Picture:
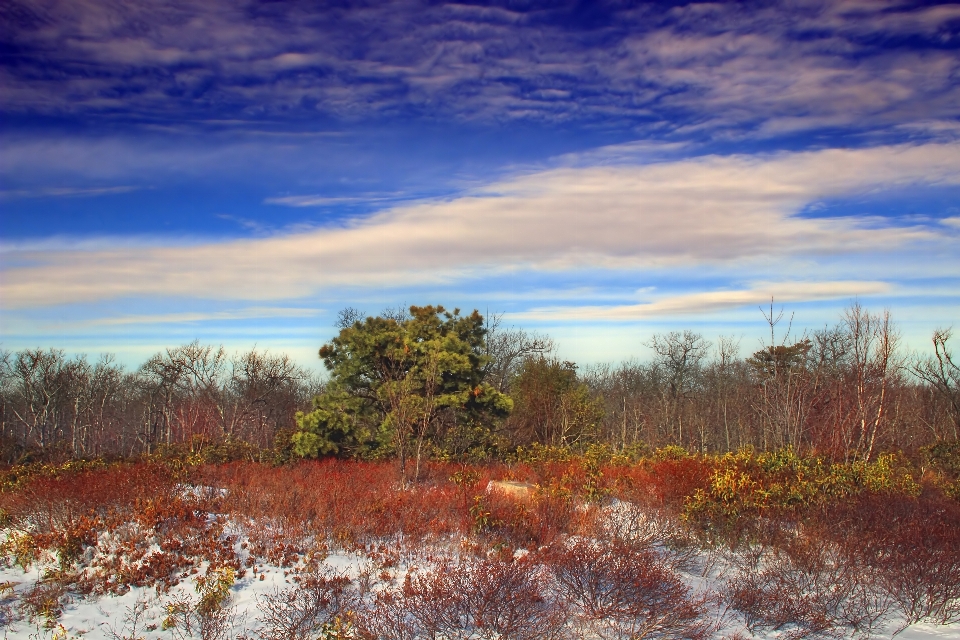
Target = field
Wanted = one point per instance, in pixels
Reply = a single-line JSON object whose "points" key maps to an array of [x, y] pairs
{"points": [[668, 546]]}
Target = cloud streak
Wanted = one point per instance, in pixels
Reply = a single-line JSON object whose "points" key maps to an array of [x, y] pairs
{"points": [[712, 301], [201, 316], [64, 192], [714, 210], [317, 200]]}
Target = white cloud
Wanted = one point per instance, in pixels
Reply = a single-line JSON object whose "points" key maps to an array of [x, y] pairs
{"points": [[314, 200], [711, 301], [64, 192], [715, 210], [201, 316], [317, 200]]}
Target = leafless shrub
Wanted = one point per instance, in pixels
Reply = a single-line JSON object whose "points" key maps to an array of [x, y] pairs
{"points": [[132, 622], [809, 589], [8, 604], [919, 566], [187, 619], [926, 587], [386, 616], [469, 597], [645, 526], [622, 590], [301, 611], [638, 524], [44, 600]]}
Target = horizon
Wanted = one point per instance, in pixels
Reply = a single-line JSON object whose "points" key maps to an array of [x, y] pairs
{"points": [[308, 359]]}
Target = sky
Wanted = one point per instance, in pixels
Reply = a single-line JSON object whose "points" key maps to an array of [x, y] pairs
{"points": [[237, 172]]}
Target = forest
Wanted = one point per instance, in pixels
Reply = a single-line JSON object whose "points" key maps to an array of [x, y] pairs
{"points": [[845, 392]]}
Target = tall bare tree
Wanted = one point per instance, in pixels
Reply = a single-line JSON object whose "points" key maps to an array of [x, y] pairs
{"points": [[679, 355], [507, 348], [942, 372]]}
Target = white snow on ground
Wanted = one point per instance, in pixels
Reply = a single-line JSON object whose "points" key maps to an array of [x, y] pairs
{"points": [[921, 631], [112, 617], [109, 617]]}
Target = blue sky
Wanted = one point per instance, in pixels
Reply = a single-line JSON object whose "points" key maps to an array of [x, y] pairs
{"points": [[237, 172]]}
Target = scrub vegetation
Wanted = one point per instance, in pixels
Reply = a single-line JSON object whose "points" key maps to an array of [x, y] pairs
{"points": [[811, 489]]}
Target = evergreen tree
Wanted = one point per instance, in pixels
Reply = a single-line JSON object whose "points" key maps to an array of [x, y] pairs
{"points": [[396, 383]]}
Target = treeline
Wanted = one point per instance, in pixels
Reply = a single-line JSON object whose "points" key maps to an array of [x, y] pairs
{"points": [[425, 382], [848, 392], [53, 406]]}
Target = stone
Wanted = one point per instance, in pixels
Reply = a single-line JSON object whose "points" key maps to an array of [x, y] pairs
{"points": [[512, 488]]}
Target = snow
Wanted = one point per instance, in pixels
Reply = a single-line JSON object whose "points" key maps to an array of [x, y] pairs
{"points": [[143, 610], [109, 617]]}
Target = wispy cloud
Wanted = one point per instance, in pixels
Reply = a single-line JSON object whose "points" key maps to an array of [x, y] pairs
{"points": [[709, 211], [712, 301], [199, 316], [64, 192], [316, 200]]}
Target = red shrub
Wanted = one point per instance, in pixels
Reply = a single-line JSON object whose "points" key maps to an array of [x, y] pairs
{"points": [[808, 587], [48, 503], [468, 597], [387, 616], [913, 544], [619, 590], [300, 612], [349, 502], [663, 484]]}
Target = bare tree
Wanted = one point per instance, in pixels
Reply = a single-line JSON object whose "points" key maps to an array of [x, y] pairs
{"points": [[8, 438], [781, 369], [398, 314], [105, 397], [39, 377], [727, 349], [263, 392], [347, 316], [184, 385], [874, 342], [679, 355], [507, 348], [52, 404], [942, 373]]}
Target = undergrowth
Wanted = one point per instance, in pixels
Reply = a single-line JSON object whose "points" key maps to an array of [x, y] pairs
{"points": [[816, 547]]}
